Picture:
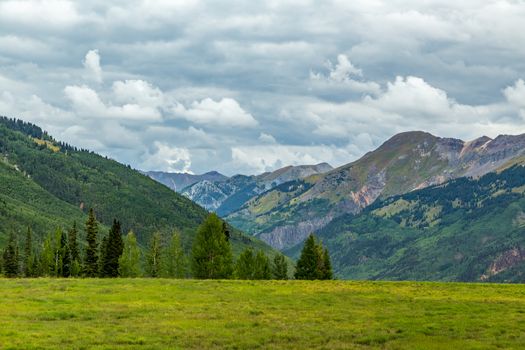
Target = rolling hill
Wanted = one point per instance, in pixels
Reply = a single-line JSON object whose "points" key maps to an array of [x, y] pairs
{"points": [[46, 184], [464, 230], [285, 215]]}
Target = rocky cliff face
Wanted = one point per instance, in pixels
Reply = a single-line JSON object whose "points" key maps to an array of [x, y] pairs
{"points": [[407, 161], [506, 260]]}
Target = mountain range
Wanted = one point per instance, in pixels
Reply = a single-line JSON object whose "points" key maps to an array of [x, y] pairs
{"points": [[285, 215], [222, 194], [179, 181]]}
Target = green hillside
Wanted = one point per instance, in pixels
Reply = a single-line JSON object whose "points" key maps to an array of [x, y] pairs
{"points": [[464, 230], [46, 183]]}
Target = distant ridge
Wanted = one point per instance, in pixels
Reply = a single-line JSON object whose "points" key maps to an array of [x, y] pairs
{"points": [[226, 196], [179, 181]]}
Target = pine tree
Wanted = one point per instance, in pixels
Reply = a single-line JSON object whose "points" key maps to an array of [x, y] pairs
{"points": [[56, 268], [327, 266], [75, 252], [154, 256], [112, 251], [280, 267], [245, 265], [261, 267], [91, 258], [314, 263], [46, 263], [102, 249], [35, 264], [174, 263], [129, 262], [226, 231], [28, 254], [65, 256], [211, 252], [10, 258], [306, 268]]}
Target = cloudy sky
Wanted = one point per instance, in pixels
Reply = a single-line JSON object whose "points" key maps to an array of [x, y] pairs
{"points": [[248, 86]]}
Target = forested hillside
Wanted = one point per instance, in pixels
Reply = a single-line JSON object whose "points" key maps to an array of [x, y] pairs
{"points": [[463, 230], [46, 184]]}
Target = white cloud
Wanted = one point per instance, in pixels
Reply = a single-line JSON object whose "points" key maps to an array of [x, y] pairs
{"points": [[138, 92], [267, 138], [55, 14], [261, 158], [343, 74], [168, 158], [226, 112], [516, 94], [32, 108], [87, 103], [92, 65], [414, 96], [343, 70], [411, 103]]}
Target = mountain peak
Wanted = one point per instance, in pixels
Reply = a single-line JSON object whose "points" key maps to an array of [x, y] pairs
{"points": [[409, 137], [214, 173]]}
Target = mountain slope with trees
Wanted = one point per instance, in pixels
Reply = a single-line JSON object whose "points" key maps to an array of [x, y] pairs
{"points": [[464, 230], [47, 184]]}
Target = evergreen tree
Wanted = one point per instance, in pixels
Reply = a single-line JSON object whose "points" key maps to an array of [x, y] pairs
{"points": [[226, 231], [102, 249], [211, 251], [46, 263], [56, 268], [261, 267], [28, 255], [327, 266], [75, 252], [91, 258], [65, 256], [129, 262], [306, 268], [10, 258], [280, 267], [174, 263], [314, 263], [35, 264], [154, 256], [113, 251], [245, 265]]}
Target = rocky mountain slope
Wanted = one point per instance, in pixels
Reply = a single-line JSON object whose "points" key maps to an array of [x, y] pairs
{"points": [[179, 181], [464, 230], [45, 184], [285, 215], [229, 195]]}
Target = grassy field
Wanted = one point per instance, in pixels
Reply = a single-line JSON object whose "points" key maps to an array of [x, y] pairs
{"points": [[188, 314]]}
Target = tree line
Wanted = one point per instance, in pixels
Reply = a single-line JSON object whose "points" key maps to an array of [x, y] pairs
{"points": [[60, 254]]}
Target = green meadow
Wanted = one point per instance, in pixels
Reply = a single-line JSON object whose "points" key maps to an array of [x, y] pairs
{"points": [[198, 314]]}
